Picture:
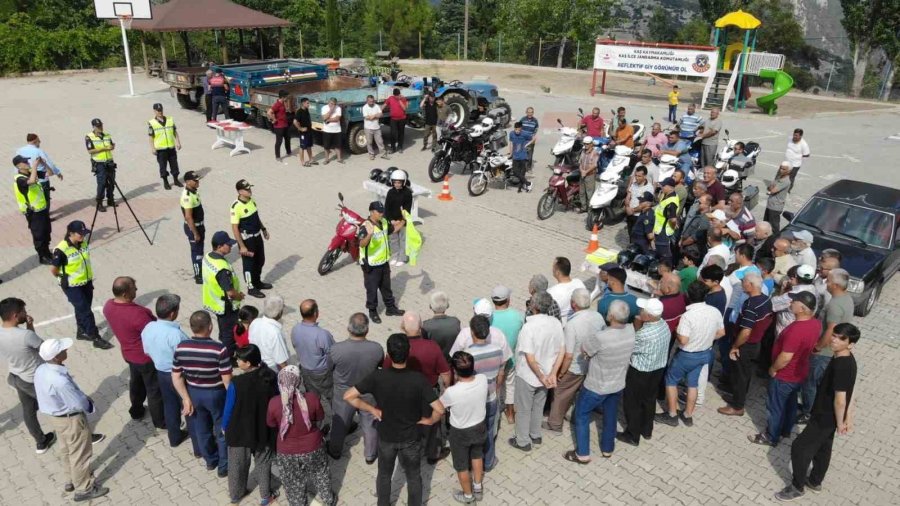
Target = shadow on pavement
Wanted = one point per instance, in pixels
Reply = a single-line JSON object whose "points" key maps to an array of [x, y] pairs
{"points": [[282, 268]]}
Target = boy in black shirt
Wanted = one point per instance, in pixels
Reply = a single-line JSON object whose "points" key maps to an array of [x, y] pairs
{"points": [[832, 410], [303, 124]]}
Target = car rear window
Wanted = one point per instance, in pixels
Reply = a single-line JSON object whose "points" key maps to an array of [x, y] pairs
{"points": [[840, 219]]}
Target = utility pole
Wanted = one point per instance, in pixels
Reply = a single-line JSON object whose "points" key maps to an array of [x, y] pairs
{"points": [[457, 45], [577, 52], [420, 45], [499, 46], [466, 32], [380, 48], [301, 43], [828, 85]]}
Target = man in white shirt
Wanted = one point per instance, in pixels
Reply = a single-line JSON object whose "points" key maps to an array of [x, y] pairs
{"points": [[797, 150], [565, 285], [331, 131], [801, 247], [539, 355], [496, 337], [265, 333], [372, 127], [714, 242]]}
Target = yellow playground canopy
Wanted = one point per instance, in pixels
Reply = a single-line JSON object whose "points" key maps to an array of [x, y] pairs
{"points": [[740, 19]]}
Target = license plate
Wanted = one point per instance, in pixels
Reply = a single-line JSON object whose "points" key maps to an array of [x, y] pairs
{"points": [[236, 105]]}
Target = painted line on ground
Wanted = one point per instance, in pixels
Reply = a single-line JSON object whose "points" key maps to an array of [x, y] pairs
{"points": [[62, 318]]}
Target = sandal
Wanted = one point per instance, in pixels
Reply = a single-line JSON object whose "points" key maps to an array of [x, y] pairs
{"points": [[571, 456], [606, 455]]}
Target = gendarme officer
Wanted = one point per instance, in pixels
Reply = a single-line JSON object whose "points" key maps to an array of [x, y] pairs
{"points": [[72, 267], [100, 145], [33, 204], [374, 255], [164, 142], [249, 231], [194, 228], [222, 288]]}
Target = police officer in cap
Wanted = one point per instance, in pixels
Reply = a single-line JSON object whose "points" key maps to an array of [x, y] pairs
{"points": [[222, 288], [164, 142], [34, 205], [665, 222], [100, 146], [71, 265], [644, 222], [249, 231], [374, 255], [194, 228]]}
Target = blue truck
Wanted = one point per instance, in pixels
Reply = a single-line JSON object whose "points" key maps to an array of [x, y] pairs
{"points": [[468, 101], [244, 78]]}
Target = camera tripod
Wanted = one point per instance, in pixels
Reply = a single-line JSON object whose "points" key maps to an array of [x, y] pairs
{"points": [[111, 181]]}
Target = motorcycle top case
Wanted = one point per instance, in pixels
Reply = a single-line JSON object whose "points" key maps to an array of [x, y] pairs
{"points": [[497, 141]]}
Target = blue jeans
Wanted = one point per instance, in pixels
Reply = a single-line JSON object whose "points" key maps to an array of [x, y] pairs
{"points": [[490, 453], [817, 366], [588, 401], [81, 298], [673, 113], [781, 403], [172, 411], [208, 406]]}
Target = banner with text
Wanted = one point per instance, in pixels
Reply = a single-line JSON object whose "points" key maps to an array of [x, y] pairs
{"points": [[656, 60]]}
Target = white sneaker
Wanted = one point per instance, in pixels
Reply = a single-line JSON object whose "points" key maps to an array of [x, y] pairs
{"points": [[399, 263], [393, 263]]}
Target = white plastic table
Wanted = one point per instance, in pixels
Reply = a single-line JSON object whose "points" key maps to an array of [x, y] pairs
{"points": [[380, 192], [230, 133]]}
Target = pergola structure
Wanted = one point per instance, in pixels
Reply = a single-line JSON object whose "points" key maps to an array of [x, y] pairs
{"points": [[203, 15]]}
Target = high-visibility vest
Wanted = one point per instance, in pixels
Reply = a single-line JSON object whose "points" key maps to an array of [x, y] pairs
{"points": [[34, 200], [214, 298], [77, 271], [378, 251], [102, 141], [163, 135], [660, 216]]}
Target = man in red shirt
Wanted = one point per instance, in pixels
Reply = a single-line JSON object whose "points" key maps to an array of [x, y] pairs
{"points": [[790, 366], [126, 320], [592, 125], [397, 104], [278, 115]]}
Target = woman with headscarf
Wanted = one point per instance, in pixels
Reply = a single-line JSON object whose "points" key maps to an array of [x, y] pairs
{"points": [[300, 452]]}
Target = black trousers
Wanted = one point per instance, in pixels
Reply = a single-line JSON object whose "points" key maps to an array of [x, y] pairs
{"points": [[144, 385], [377, 279], [793, 176], [252, 266], [282, 134], [226, 322], [741, 374], [106, 179], [39, 225], [207, 101], [435, 435], [219, 104], [764, 361], [28, 399], [813, 445], [639, 401], [81, 298], [45, 185], [398, 133], [410, 456], [167, 157], [773, 218], [196, 247], [519, 168]]}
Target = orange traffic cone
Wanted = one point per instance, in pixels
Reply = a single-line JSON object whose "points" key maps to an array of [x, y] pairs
{"points": [[445, 191], [595, 243]]}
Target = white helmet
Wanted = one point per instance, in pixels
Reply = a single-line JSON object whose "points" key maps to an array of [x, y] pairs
{"points": [[476, 131], [587, 139], [398, 175], [487, 123], [730, 178]]}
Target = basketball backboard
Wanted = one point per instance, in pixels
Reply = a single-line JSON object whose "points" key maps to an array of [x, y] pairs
{"points": [[112, 9]]}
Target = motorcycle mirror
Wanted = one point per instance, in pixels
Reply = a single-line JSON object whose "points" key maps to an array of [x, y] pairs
{"points": [[726, 132], [341, 197], [559, 121], [635, 121], [580, 110]]}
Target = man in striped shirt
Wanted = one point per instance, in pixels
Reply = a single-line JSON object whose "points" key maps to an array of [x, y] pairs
{"points": [[690, 123], [489, 360], [201, 371]]}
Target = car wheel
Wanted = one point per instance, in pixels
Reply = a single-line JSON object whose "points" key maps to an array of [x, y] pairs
{"points": [[864, 308]]}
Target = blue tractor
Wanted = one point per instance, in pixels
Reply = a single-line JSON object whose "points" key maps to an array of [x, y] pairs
{"points": [[468, 102]]}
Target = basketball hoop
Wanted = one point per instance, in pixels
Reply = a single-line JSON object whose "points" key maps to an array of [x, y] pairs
{"points": [[126, 21]]}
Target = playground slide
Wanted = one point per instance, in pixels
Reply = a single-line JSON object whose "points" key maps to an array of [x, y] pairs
{"points": [[782, 83]]}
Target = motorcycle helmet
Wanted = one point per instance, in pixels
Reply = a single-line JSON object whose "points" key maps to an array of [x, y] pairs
{"points": [[375, 174], [625, 257], [634, 249], [653, 270], [476, 131], [385, 178], [398, 175], [730, 178], [487, 124], [640, 264]]}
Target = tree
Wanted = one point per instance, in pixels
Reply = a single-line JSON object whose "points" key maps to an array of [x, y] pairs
{"points": [[401, 22], [861, 21], [711, 10], [332, 27], [661, 27], [695, 32]]}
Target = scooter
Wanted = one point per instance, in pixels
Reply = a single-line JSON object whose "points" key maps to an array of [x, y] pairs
{"points": [[638, 127], [490, 167], [562, 189], [567, 149], [345, 238], [723, 158], [607, 203]]}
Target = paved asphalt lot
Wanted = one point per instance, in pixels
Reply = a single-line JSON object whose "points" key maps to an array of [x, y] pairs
{"points": [[471, 245]]}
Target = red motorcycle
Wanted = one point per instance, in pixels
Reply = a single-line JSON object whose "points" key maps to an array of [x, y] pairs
{"points": [[345, 238], [561, 191]]}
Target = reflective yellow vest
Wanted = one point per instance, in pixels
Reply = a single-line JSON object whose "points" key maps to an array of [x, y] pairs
{"points": [[163, 135], [214, 298], [660, 217], [104, 141], [34, 200], [77, 271], [378, 251]]}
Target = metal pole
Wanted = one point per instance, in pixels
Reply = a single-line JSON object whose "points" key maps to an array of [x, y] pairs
{"points": [[380, 48], [828, 85], [342, 48], [127, 57], [458, 35], [420, 45], [577, 52], [466, 31], [301, 43], [540, 46], [499, 46]]}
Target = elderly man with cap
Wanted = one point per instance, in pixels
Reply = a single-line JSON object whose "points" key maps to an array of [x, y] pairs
{"points": [[644, 222], [222, 288], [60, 398], [777, 192], [666, 220], [32, 151], [33, 204], [588, 166], [645, 372], [249, 232], [374, 256], [71, 265], [801, 247], [100, 146], [789, 369], [509, 320], [194, 227], [164, 142]]}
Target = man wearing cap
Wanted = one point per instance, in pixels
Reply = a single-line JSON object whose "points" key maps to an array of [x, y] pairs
{"points": [[60, 398], [32, 151], [645, 372], [101, 146], [587, 164], [164, 142], [777, 192], [71, 265], [801, 247], [33, 204], [222, 288], [644, 222], [374, 254], [666, 221], [194, 228], [798, 279], [249, 231], [789, 369]]}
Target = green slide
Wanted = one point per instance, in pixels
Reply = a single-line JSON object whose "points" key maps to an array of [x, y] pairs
{"points": [[782, 83]]}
